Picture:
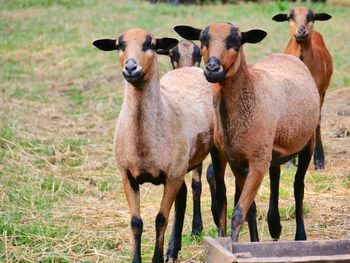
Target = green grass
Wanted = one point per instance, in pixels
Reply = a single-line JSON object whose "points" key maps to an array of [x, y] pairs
{"points": [[60, 195]]}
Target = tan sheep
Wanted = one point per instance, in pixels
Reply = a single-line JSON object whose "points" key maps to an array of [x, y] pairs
{"points": [[188, 54], [264, 115], [164, 129]]}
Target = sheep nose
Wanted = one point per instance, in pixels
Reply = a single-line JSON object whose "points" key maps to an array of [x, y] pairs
{"points": [[301, 30], [130, 65], [213, 64]]}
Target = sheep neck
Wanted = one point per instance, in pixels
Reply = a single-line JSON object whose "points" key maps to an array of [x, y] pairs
{"points": [[237, 99], [303, 50], [143, 106]]}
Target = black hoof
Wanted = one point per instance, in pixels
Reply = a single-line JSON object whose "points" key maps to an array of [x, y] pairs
{"points": [[197, 230], [275, 228], [157, 260], [275, 231], [300, 237], [171, 256], [319, 165]]}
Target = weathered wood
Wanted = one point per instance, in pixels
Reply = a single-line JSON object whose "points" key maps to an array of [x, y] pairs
{"points": [[215, 252], [312, 259], [294, 248], [316, 251]]}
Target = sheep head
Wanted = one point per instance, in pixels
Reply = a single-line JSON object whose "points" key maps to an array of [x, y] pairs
{"points": [[301, 21], [221, 47], [137, 49]]}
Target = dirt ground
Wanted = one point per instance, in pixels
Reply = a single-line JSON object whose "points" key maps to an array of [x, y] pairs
{"points": [[331, 205], [326, 198]]}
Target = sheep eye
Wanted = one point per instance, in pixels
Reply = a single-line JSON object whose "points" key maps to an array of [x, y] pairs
{"points": [[292, 15], [121, 44], [148, 44], [204, 38], [310, 16]]}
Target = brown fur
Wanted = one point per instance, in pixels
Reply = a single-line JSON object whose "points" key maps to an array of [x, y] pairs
{"points": [[164, 127], [308, 45], [185, 48], [313, 51], [259, 110]]}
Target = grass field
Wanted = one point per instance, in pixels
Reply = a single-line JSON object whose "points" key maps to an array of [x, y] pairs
{"points": [[60, 194]]}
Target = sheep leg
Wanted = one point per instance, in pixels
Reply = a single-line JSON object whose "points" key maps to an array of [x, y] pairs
{"points": [[171, 189], [250, 187], [319, 161], [175, 238], [212, 187], [304, 158], [132, 194], [197, 225], [273, 216], [219, 164], [251, 216]]}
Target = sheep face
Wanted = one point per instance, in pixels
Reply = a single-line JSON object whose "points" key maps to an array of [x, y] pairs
{"points": [[221, 47], [137, 49], [301, 21], [220, 44], [185, 54]]}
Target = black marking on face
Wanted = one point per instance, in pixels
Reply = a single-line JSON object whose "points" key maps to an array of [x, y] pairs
{"points": [[121, 43], [310, 16], [204, 38], [292, 15], [148, 44], [196, 55], [175, 56], [233, 40]]}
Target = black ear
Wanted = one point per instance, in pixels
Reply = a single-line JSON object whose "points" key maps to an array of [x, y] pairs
{"points": [[188, 32], [106, 44], [280, 17], [253, 36], [163, 45], [322, 16]]}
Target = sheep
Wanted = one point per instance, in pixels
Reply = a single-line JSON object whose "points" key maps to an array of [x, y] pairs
{"points": [[309, 46], [164, 130], [264, 115], [187, 54]]}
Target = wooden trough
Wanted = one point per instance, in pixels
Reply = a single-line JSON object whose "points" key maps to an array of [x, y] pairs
{"points": [[223, 251]]}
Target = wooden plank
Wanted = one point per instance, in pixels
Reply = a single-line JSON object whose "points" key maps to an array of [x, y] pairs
{"points": [[316, 251], [215, 252], [313, 259], [293, 248], [225, 242]]}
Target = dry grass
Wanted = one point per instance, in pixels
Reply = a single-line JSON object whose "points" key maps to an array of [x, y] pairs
{"points": [[60, 196]]}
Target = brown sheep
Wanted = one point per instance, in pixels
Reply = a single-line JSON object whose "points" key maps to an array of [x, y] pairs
{"points": [[164, 130], [187, 53], [264, 115], [308, 45]]}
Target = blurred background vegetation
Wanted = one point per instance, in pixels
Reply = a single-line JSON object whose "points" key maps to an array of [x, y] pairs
{"points": [[176, 2]]}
